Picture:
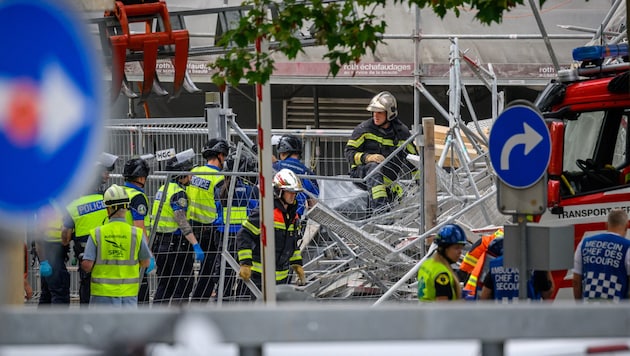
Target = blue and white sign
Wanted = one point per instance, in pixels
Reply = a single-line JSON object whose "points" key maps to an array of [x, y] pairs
{"points": [[519, 146], [51, 110]]}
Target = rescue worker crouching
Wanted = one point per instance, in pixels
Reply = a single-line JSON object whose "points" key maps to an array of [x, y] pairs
{"points": [[114, 254], [286, 186], [202, 213], [436, 279], [175, 247], [84, 214], [372, 141]]}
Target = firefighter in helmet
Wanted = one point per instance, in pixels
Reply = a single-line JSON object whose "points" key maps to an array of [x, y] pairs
{"points": [[436, 279], [372, 141], [285, 186]]}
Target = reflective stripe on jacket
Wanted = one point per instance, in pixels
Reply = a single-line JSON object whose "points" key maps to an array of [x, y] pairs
{"points": [[116, 271]]}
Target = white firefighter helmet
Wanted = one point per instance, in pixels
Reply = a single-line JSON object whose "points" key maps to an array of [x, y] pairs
{"points": [[285, 179], [384, 102]]}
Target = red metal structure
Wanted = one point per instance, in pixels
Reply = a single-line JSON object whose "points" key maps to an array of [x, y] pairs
{"points": [[148, 44]]}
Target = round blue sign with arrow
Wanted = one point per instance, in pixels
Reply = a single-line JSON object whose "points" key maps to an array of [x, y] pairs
{"points": [[51, 111], [519, 146]]}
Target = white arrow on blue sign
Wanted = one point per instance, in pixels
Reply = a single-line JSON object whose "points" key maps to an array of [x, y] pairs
{"points": [[520, 146], [51, 109]]}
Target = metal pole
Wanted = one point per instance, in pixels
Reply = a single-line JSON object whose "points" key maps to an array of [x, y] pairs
{"points": [[267, 238], [12, 265], [522, 269], [545, 37]]}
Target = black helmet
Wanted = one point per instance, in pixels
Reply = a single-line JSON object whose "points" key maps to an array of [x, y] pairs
{"points": [[174, 165], [215, 146], [135, 168], [247, 162], [290, 144]]}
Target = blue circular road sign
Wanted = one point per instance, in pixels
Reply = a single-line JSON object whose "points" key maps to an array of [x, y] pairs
{"points": [[51, 110], [520, 146]]}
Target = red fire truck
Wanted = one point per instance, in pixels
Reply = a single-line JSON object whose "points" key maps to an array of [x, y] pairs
{"points": [[586, 110]]}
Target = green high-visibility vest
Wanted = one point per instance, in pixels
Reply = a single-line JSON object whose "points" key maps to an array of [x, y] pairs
{"points": [[87, 212], [167, 223], [202, 206], [116, 271]]}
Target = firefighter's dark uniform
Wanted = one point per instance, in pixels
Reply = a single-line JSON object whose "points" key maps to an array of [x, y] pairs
{"points": [[285, 223], [368, 138]]}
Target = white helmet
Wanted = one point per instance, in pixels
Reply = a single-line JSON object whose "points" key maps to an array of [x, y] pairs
{"points": [[384, 102], [285, 179], [115, 195]]}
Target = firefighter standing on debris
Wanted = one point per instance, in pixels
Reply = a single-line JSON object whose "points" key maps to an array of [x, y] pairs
{"points": [[436, 279], [290, 153], [84, 214], [202, 213], [372, 141], [175, 247], [285, 188], [114, 254], [135, 173]]}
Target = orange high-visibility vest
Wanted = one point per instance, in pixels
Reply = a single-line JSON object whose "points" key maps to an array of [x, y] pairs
{"points": [[474, 261]]}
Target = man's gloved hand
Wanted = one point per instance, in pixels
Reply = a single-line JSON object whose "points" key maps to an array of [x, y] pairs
{"points": [[198, 252], [374, 158], [245, 272], [300, 272], [151, 266], [45, 269]]}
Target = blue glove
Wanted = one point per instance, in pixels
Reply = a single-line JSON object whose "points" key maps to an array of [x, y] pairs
{"points": [[45, 269], [198, 252], [151, 266]]}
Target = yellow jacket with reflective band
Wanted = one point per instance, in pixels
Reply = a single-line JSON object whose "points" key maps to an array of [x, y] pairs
{"points": [[53, 225], [201, 203], [286, 235], [167, 222], [87, 212], [427, 273], [116, 271], [147, 217]]}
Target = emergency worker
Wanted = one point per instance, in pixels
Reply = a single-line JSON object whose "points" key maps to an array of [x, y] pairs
{"points": [[290, 152], [202, 212], [285, 187], [502, 283], [601, 264], [175, 247], [84, 214], [114, 254], [472, 267], [52, 255], [234, 209], [436, 279], [372, 141], [135, 173]]}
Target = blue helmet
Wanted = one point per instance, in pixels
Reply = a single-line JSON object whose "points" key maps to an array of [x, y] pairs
{"points": [[495, 248], [450, 234]]}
